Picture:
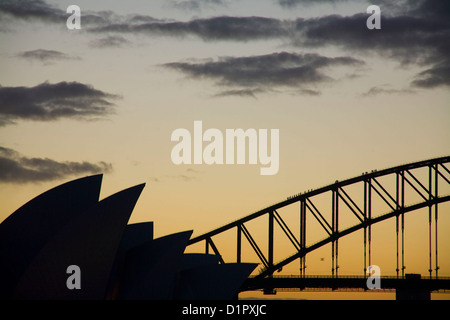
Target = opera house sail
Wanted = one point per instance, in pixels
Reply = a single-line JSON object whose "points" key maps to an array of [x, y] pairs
{"points": [[68, 226]]}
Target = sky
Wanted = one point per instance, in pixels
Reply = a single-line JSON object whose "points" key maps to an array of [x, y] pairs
{"points": [[106, 98]]}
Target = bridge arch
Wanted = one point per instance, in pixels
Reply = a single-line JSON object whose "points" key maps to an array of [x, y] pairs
{"points": [[427, 187]]}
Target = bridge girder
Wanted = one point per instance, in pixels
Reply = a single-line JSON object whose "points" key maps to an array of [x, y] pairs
{"points": [[426, 188]]}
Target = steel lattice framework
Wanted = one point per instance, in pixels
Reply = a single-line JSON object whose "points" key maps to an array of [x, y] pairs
{"points": [[425, 186]]}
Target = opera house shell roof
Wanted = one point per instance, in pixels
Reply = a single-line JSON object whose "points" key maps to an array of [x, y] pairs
{"points": [[69, 226]]}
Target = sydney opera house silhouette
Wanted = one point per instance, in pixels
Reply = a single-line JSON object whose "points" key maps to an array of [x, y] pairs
{"points": [[68, 225]]}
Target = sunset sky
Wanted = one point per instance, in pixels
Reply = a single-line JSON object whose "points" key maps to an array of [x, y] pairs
{"points": [[106, 98]]}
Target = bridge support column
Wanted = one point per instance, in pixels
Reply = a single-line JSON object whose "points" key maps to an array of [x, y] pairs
{"points": [[411, 289], [401, 294], [335, 229], [239, 244], [302, 236], [268, 291], [436, 195], [270, 244], [368, 226]]}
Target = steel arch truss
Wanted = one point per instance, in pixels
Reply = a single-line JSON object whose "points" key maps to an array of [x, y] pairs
{"points": [[421, 179]]}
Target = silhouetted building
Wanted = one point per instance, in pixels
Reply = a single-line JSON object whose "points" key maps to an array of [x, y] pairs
{"points": [[68, 225]]}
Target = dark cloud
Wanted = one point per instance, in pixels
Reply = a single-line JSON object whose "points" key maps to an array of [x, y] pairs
{"points": [[15, 168], [225, 28], [111, 41], [398, 34], [419, 36], [239, 92], [139, 18], [265, 71], [309, 92], [217, 28], [197, 5], [374, 91], [46, 56], [293, 3], [438, 75], [47, 102], [388, 7], [428, 9], [414, 32], [41, 10], [37, 9]]}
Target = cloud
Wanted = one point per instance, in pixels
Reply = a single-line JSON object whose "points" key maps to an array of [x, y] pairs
{"points": [[389, 7], [45, 56], [216, 28], [197, 5], [46, 102], [182, 177], [111, 41], [179, 177], [418, 36], [414, 32], [42, 11], [139, 18], [293, 3], [193, 170], [401, 37], [16, 168], [437, 76], [374, 91], [190, 176], [240, 93], [27, 9], [309, 92], [265, 72]]}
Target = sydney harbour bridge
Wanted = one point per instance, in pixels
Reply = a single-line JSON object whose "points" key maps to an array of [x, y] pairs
{"points": [[369, 199]]}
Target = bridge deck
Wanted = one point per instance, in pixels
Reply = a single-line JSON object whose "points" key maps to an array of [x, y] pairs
{"points": [[344, 282]]}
